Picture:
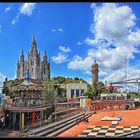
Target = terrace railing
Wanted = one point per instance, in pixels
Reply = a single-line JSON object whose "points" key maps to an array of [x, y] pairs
{"points": [[130, 134]]}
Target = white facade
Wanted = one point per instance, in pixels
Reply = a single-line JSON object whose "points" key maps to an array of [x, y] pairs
{"points": [[75, 90]]}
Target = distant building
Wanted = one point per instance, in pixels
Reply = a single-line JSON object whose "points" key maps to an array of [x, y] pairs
{"points": [[95, 71], [38, 69], [75, 90]]}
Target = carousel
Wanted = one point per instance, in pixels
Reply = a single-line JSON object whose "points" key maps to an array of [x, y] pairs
{"points": [[26, 107]]}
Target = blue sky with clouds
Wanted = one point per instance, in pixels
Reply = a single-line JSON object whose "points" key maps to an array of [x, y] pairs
{"points": [[73, 34]]}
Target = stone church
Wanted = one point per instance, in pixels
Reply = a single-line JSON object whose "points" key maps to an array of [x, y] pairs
{"points": [[38, 69]]}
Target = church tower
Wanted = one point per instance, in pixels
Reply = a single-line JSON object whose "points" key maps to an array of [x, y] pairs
{"points": [[45, 68], [21, 65], [38, 69], [94, 72]]}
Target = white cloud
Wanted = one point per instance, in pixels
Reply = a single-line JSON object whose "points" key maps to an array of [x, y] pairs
{"points": [[119, 75], [53, 30], [15, 20], [90, 41], [57, 30], [7, 9], [89, 81], [60, 30], [105, 58], [27, 8], [112, 26], [134, 37], [64, 49], [114, 39], [103, 73], [60, 58], [79, 43], [93, 5], [78, 63], [2, 79]]}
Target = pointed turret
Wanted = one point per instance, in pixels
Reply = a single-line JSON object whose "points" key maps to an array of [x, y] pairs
{"points": [[34, 51], [18, 63], [6, 79], [22, 56], [22, 53], [45, 56], [34, 45], [33, 39]]}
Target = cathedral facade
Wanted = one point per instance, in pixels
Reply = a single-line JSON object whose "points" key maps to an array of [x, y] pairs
{"points": [[38, 69]]}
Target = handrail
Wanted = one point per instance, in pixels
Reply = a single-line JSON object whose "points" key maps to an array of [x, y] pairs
{"points": [[65, 111], [128, 133]]}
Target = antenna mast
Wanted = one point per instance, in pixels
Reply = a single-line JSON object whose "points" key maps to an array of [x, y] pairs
{"points": [[126, 74]]}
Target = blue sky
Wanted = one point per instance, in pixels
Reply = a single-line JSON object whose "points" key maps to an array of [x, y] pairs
{"points": [[73, 35]]}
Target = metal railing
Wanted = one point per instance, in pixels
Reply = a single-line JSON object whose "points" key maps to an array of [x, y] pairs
{"points": [[113, 100], [129, 134], [28, 104]]}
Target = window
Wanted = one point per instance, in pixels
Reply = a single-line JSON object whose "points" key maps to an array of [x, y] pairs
{"points": [[72, 93], [82, 91], [77, 93]]}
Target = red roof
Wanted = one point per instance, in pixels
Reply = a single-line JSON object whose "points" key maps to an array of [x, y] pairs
{"points": [[110, 87]]}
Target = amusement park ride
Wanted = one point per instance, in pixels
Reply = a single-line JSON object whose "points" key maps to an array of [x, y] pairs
{"points": [[130, 81], [24, 110]]}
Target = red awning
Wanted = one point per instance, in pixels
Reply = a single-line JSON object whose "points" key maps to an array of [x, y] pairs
{"points": [[110, 87]]}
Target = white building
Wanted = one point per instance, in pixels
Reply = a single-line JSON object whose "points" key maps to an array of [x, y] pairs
{"points": [[75, 90]]}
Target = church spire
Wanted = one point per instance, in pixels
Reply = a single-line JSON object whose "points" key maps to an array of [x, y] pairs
{"points": [[22, 56], [34, 45], [33, 39], [22, 53], [45, 56]]}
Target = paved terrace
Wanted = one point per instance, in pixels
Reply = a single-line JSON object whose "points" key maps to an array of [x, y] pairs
{"points": [[130, 118]]}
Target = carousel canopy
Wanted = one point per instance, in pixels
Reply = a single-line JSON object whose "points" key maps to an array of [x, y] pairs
{"points": [[27, 85]]}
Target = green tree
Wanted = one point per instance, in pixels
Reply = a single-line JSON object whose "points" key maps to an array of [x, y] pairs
{"points": [[61, 80], [90, 92], [5, 90], [99, 86], [94, 90], [76, 78], [49, 93]]}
